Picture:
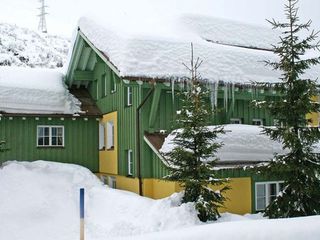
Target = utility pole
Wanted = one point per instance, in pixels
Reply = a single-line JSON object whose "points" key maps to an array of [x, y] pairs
{"points": [[42, 23]]}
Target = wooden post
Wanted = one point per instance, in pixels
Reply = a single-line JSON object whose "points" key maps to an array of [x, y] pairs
{"points": [[81, 213]]}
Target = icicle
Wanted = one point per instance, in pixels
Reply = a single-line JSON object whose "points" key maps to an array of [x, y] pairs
{"points": [[212, 86], [232, 95], [172, 89], [225, 96]]}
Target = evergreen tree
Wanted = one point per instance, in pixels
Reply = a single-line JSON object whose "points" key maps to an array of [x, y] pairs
{"points": [[299, 167], [192, 161]]}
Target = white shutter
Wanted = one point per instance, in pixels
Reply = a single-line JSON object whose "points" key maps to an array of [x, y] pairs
{"points": [[110, 135], [101, 136]]}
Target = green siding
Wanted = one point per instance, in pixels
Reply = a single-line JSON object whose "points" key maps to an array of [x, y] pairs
{"points": [[81, 140], [158, 117]]}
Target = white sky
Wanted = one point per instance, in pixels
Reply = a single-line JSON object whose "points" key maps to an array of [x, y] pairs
{"points": [[63, 14]]}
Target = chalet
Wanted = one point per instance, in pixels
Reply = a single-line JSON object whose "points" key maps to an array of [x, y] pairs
{"points": [[41, 119], [128, 86], [134, 80]]}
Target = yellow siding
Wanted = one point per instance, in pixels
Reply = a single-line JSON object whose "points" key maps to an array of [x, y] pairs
{"points": [[314, 117], [239, 196], [108, 159]]}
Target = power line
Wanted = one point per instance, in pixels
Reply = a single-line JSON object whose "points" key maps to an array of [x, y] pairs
{"points": [[42, 23]]}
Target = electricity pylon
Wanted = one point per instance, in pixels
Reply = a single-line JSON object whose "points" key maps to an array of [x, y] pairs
{"points": [[42, 23]]}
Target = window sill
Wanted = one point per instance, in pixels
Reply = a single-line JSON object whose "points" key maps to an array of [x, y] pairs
{"points": [[130, 176], [110, 149]]}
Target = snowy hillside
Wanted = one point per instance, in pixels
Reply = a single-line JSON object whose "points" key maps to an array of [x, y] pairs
{"points": [[24, 47], [40, 200]]}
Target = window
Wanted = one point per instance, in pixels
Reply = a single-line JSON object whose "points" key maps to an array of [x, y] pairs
{"points": [[129, 96], [113, 86], [104, 85], [110, 135], [50, 136], [258, 122], [235, 121], [130, 162], [112, 182], [266, 192], [101, 136]]}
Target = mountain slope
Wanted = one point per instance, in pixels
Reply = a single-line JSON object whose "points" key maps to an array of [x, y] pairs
{"points": [[24, 47]]}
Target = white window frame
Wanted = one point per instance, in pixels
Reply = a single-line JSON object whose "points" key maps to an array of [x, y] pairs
{"points": [[102, 136], [113, 85], [129, 96], [110, 135], [112, 183], [257, 120], [233, 120], [105, 85], [130, 162], [50, 135], [267, 193]]}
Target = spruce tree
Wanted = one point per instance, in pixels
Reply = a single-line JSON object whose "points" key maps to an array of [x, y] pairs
{"points": [[192, 161], [299, 166]]}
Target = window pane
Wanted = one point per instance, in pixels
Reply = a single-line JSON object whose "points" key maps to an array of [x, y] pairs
{"points": [[54, 131], [60, 131], [46, 131], [272, 189], [41, 131], [110, 135], [40, 141], [54, 141], [261, 191], [60, 141], [261, 203], [46, 141]]}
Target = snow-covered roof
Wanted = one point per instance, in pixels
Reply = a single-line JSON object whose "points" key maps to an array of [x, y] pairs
{"points": [[155, 55], [231, 32], [30, 90], [241, 143]]}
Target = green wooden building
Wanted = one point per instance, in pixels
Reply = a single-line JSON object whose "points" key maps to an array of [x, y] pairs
{"points": [[41, 120], [135, 81]]}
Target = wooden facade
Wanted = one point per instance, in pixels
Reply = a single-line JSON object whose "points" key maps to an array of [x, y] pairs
{"points": [[156, 105]]}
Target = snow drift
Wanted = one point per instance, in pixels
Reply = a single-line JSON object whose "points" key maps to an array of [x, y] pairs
{"points": [[40, 200]]}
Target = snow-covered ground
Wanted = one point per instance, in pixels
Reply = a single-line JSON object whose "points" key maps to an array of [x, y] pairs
{"points": [[40, 200]]}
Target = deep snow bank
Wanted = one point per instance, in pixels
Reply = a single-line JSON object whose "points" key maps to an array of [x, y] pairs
{"points": [[39, 201], [276, 229]]}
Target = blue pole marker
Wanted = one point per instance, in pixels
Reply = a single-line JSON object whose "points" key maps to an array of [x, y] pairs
{"points": [[81, 213], [82, 203]]}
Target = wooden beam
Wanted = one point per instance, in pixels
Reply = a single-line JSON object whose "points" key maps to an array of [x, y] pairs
{"points": [[100, 54], [83, 75], [154, 107], [76, 54], [92, 61], [84, 58]]}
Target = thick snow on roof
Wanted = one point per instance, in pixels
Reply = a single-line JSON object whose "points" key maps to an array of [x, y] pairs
{"points": [[153, 56], [241, 143], [30, 90], [231, 32]]}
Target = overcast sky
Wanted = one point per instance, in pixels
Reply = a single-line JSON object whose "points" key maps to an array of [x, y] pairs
{"points": [[63, 14]]}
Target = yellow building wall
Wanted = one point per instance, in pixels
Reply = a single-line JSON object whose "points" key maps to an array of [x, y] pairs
{"points": [[108, 159], [314, 117], [239, 196]]}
